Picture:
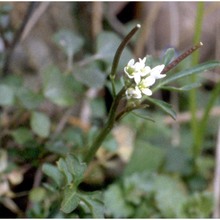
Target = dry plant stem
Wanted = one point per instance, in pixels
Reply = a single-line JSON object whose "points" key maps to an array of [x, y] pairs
{"points": [[97, 17], [147, 26], [105, 131], [34, 19], [17, 38], [216, 213]]}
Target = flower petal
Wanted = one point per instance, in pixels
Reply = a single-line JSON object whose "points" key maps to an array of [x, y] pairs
{"points": [[126, 69], [137, 78], [133, 93], [131, 62], [144, 71], [148, 81], [146, 91], [155, 72]]}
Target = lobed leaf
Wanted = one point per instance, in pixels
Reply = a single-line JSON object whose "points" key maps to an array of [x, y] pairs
{"points": [[94, 201], [75, 167], [115, 203], [169, 196], [63, 167], [53, 172], [70, 200]]}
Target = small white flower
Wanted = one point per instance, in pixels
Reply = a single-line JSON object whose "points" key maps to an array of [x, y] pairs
{"points": [[145, 84], [137, 70], [130, 69], [146, 91], [133, 93], [143, 76], [156, 72]]}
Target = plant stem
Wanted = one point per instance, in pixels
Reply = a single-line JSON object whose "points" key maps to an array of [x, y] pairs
{"points": [[105, 131], [111, 118], [193, 94], [118, 54], [204, 119]]}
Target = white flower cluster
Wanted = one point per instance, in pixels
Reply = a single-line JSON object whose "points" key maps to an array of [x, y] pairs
{"points": [[143, 76]]}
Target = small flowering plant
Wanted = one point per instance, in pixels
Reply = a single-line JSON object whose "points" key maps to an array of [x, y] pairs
{"points": [[143, 76], [140, 82]]}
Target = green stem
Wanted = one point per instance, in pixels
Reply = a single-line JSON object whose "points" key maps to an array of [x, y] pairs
{"points": [[193, 94], [105, 131], [204, 120], [118, 55], [111, 118]]}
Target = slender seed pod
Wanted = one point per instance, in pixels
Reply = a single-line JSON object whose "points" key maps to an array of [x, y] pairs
{"points": [[181, 57]]}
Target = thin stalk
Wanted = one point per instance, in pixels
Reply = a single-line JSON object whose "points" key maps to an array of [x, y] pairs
{"points": [[204, 119], [105, 131], [17, 38], [193, 93], [112, 114], [118, 55]]}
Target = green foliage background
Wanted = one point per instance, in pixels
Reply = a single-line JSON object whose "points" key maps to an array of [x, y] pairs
{"points": [[158, 181]]}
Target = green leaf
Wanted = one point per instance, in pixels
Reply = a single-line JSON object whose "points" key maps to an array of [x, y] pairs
{"points": [[6, 95], [107, 44], [57, 87], [57, 147], [22, 135], [76, 167], [95, 203], [164, 106], [145, 158], [53, 172], [72, 168], [73, 136], [136, 186], [142, 114], [70, 200], [177, 160], [40, 124], [188, 72], [90, 75], [63, 167], [198, 205], [14, 81], [168, 56], [184, 88], [69, 41], [29, 99], [115, 203], [169, 196]]}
